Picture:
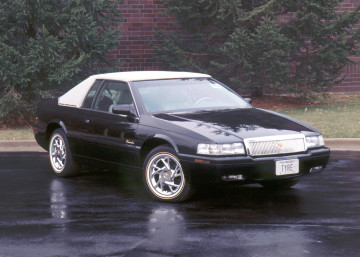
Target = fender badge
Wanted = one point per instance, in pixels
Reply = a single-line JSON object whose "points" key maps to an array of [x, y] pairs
{"points": [[129, 142]]}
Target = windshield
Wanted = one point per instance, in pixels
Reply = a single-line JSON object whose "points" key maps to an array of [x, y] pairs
{"points": [[182, 95]]}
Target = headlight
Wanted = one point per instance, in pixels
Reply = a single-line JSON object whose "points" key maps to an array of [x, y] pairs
{"points": [[221, 149], [314, 141]]}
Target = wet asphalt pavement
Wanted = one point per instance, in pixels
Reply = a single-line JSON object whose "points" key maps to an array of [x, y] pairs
{"points": [[109, 214]]}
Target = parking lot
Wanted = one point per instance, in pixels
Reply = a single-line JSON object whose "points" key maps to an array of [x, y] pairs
{"points": [[108, 213]]}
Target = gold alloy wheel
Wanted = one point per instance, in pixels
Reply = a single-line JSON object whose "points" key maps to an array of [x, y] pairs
{"points": [[165, 176]]}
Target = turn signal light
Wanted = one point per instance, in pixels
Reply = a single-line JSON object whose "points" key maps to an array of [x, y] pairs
{"points": [[316, 169]]}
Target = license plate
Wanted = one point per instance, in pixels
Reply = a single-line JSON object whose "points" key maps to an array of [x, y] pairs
{"points": [[286, 167]]}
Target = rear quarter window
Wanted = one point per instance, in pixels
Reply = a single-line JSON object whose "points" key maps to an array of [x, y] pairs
{"points": [[91, 94]]}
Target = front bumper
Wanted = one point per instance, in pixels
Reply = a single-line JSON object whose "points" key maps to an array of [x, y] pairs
{"points": [[205, 169]]}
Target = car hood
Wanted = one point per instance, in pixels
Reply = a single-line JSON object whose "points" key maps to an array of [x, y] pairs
{"points": [[223, 125]]}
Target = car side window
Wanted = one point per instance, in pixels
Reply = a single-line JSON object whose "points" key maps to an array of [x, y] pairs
{"points": [[91, 94], [113, 93]]}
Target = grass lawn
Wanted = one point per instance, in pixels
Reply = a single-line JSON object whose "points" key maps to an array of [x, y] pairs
{"points": [[336, 115], [332, 120], [16, 134]]}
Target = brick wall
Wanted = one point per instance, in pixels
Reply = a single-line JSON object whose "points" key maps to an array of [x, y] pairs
{"points": [[352, 71], [142, 16]]}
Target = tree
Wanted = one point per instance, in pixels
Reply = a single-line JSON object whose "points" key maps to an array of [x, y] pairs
{"points": [[299, 46], [48, 45]]}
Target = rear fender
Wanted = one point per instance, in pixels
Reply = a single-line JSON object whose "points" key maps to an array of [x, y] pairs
{"points": [[53, 124]]}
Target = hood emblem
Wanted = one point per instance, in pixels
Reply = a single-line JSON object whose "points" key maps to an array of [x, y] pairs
{"points": [[279, 145]]}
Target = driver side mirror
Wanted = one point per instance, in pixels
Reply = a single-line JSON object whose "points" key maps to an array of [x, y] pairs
{"points": [[124, 109]]}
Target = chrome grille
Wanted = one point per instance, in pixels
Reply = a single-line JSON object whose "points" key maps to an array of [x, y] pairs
{"points": [[275, 145]]}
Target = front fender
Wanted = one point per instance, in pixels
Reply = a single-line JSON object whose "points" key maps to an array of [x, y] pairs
{"points": [[168, 139]]}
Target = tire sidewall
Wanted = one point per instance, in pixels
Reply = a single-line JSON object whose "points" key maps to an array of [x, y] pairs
{"points": [[69, 166], [180, 196]]}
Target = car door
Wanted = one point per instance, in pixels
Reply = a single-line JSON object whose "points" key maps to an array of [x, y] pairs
{"points": [[111, 137], [74, 121]]}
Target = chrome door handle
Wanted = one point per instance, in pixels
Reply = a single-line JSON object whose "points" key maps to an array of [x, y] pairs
{"points": [[87, 121]]}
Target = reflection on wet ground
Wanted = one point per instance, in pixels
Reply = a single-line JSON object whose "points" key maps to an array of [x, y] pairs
{"points": [[109, 214]]}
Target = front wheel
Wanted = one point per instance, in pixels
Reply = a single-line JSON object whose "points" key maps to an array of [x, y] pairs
{"points": [[61, 160], [164, 177]]}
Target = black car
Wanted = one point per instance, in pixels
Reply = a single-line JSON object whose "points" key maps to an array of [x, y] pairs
{"points": [[180, 128]]}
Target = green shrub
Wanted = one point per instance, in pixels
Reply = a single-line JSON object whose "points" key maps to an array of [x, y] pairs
{"points": [[273, 45], [48, 45]]}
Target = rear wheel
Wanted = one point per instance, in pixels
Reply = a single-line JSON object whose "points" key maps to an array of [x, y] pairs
{"points": [[279, 184], [61, 160], [164, 177]]}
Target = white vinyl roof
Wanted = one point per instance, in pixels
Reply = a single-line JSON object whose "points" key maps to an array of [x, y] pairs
{"points": [[75, 96]]}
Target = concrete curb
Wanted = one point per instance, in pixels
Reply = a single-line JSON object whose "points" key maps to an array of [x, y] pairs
{"points": [[335, 144], [343, 144], [20, 146]]}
